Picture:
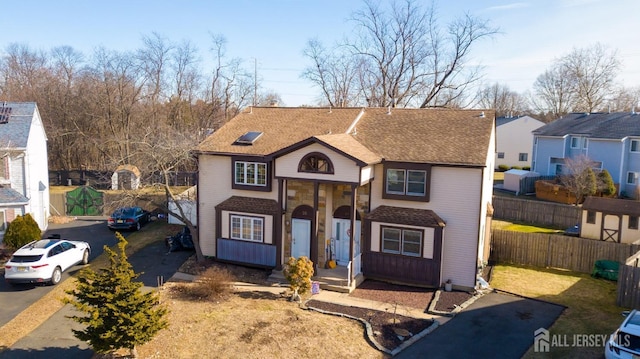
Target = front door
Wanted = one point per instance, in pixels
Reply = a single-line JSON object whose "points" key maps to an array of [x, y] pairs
{"points": [[342, 236], [300, 238]]}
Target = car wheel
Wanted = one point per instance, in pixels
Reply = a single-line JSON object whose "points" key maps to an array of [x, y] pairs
{"points": [[85, 257], [56, 276], [138, 226]]}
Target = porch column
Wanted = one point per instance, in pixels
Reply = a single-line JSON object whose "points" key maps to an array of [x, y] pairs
{"points": [[279, 235], [314, 228], [354, 195]]}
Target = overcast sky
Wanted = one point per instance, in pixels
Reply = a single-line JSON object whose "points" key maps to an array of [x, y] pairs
{"points": [[274, 32]]}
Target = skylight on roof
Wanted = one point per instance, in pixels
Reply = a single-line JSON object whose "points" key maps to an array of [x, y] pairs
{"points": [[248, 138]]}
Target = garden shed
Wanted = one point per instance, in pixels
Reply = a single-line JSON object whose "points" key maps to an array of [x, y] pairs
{"points": [[125, 177], [513, 177]]}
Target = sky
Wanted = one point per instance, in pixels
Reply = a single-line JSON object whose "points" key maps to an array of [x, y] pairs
{"points": [[270, 35]]}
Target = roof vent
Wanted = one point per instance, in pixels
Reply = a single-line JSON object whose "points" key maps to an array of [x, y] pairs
{"points": [[482, 114], [5, 112], [248, 138]]}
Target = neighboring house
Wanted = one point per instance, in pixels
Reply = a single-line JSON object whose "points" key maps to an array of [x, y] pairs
{"points": [[514, 140], [393, 194], [611, 140], [610, 219], [24, 174]]}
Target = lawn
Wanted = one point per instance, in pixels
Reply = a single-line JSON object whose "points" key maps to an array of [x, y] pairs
{"points": [[590, 302], [521, 227]]}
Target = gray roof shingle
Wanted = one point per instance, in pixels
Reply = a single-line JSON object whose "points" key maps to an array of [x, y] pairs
{"points": [[11, 196], [616, 125], [15, 133], [438, 136]]}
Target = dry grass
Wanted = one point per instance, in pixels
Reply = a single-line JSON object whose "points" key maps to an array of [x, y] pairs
{"points": [[252, 325], [590, 302]]}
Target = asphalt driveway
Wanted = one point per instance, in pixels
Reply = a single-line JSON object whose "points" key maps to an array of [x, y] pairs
{"points": [[54, 338], [497, 325]]}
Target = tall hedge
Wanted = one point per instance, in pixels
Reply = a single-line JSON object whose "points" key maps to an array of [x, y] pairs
{"points": [[20, 231]]}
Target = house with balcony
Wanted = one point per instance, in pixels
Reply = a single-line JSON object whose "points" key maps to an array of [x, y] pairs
{"points": [[610, 140], [402, 195], [24, 177]]}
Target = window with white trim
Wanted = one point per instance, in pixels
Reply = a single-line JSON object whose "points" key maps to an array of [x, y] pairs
{"points": [[632, 177], [406, 182], [250, 173], [635, 146], [246, 228], [523, 157], [403, 241], [578, 142], [500, 154]]}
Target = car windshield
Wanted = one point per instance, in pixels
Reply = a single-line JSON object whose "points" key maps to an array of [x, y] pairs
{"points": [[629, 341], [26, 259], [123, 212]]}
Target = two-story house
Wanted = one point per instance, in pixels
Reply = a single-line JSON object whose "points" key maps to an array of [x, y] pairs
{"points": [[610, 140], [514, 140], [24, 173], [392, 194]]}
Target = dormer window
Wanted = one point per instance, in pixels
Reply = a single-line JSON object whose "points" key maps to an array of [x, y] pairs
{"points": [[316, 162]]}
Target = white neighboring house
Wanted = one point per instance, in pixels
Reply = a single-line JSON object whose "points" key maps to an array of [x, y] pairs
{"points": [[514, 140], [24, 170], [188, 202]]}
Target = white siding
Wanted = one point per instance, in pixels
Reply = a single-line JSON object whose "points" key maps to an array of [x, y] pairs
{"points": [[513, 138], [214, 186], [345, 170], [456, 198]]}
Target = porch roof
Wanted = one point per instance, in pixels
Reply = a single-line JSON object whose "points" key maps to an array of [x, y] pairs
{"points": [[408, 216], [11, 196], [612, 206], [249, 205]]}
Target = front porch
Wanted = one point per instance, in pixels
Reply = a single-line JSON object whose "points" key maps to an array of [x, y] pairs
{"points": [[336, 279]]}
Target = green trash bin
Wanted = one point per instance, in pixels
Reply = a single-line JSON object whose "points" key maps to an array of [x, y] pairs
{"points": [[606, 269]]}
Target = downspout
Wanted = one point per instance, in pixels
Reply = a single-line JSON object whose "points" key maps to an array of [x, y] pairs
{"points": [[354, 193], [279, 228], [622, 164]]}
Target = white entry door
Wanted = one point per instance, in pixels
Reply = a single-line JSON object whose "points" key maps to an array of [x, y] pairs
{"points": [[300, 238], [342, 235]]}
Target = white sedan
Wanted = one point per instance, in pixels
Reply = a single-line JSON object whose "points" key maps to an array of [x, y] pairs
{"points": [[43, 261]]}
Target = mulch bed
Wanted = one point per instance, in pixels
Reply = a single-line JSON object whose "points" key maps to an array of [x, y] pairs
{"points": [[384, 323], [389, 330]]}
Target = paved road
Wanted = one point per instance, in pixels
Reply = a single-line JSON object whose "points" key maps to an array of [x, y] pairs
{"points": [[497, 325], [54, 339], [93, 230]]}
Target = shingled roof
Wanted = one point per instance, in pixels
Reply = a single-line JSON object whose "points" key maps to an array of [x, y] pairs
{"points": [[616, 125], [10, 196], [408, 216], [439, 136], [15, 132], [612, 206], [249, 204]]}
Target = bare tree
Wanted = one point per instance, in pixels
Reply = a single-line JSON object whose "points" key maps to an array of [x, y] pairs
{"points": [[502, 99], [624, 99], [579, 177], [578, 81], [335, 72], [554, 90], [408, 59]]}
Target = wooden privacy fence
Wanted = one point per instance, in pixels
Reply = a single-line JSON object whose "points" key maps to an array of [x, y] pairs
{"points": [[537, 212], [629, 283], [554, 250]]}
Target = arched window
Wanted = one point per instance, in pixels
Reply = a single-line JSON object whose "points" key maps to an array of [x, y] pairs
{"points": [[315, 162]]}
